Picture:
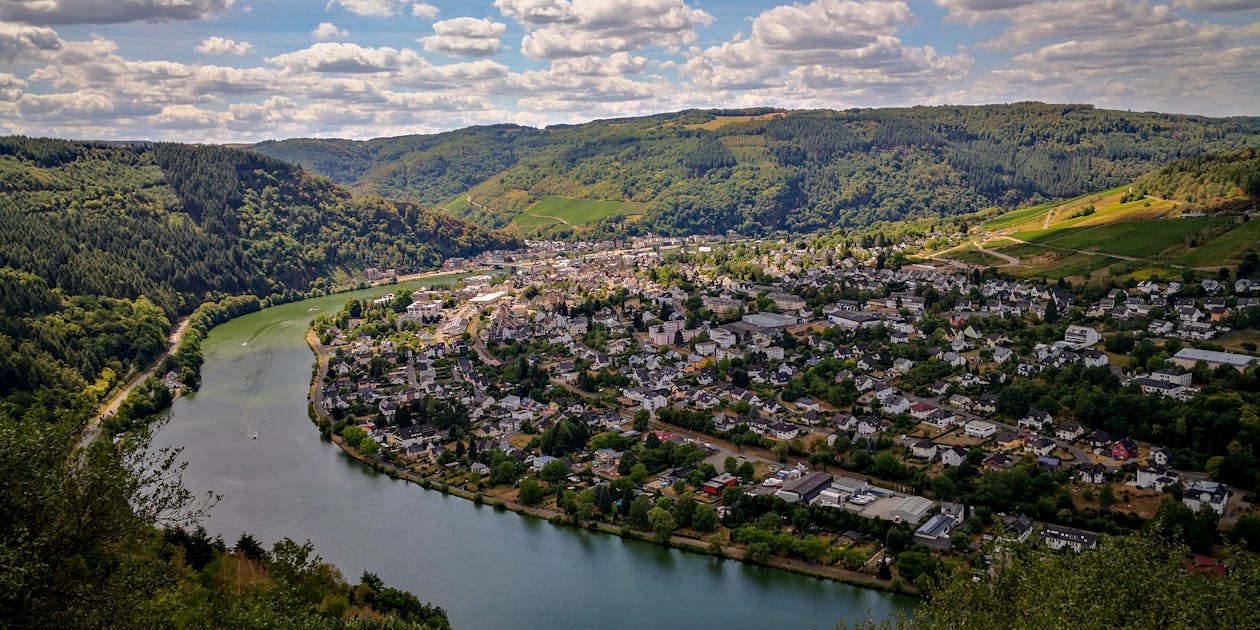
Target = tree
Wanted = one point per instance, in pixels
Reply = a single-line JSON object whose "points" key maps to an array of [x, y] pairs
{"points": [[249, 547], [758, 552], [705, 519], [353, 436], [554, 472], [369, 447], [684, 510], [1138, 568], [503, 473], [662, 523], [531, 492], [641, 418], [747, 471], [730, 465], [638, 515]]}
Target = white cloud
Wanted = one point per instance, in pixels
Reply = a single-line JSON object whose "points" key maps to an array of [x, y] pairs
{"points": [[18, 40], [535, 12], [328, 30], [465, 37], [1118, 54], [1208, 6], [108, 11], [616, 64], [342, 57], [580, 28], [221, 46], [842, 50], [424, 10], [374, 8]]}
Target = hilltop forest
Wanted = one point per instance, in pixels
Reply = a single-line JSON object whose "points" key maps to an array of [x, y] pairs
{"points": [[103, 247], [755, 171]]}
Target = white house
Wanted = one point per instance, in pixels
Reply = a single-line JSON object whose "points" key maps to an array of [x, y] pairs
{"points": [[1156, 477], [1206, 495], [1080, 336], [954, 456], [1058, 537], [924, 449], [979, 429]]}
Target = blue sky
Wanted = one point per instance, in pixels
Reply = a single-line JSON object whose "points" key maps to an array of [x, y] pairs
{"points": [[248, 70]]}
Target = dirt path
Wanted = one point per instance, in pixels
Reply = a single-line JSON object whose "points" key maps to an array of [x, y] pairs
{"points": [[93, 429], [1011, 261], [946, 251], [547, 216]]}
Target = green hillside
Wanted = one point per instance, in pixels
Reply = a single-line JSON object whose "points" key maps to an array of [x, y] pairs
{"points": [[104, 246], [760, 170], [1186, 218], [572, 212]]}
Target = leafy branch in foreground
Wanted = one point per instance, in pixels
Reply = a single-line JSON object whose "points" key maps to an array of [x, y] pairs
{"points": [[80, 547], [1129, 582]]}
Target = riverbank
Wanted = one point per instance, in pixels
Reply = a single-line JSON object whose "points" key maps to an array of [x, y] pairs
{"points": [[694, 545]]}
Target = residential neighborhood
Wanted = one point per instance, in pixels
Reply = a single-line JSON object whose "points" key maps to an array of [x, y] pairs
{"points": [[733, 373]]}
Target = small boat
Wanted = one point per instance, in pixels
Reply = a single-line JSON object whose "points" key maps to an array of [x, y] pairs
{"points": [[243, 343], [310, 310], [253, 436]]}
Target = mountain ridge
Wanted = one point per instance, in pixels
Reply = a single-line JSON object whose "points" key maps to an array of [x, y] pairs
{"points": [[752, 171]]}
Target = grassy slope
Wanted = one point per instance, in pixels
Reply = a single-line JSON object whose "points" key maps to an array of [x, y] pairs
{"points": [[1147, 229], [802, 170]]}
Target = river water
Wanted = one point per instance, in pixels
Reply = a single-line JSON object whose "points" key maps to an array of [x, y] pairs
{"points": [[488, 569]]}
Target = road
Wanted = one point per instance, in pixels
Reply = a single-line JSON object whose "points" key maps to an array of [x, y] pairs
{"points": [[1011, 261], [93, 429]]}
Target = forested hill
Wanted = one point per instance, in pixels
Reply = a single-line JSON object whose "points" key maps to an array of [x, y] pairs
{"points": [[181, 223], [1209, 181], [104, 246], [760, 170]]}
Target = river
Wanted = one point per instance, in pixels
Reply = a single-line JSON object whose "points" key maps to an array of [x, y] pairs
{"points": [[488, 569]]}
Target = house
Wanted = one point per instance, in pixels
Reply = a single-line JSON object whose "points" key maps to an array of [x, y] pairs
{"points": [[1124, 449], [1016, 528], [1040, 446], [1008, 441], [1036, 420], [1157, 477], [783, 430], [954, 456], [979, 429], [480, 469], [717, 485], [896, 405], [805, 489], [1099, 439], [1161, 456], [998, 461], [924, 449], [1205, 494], [1069, 431], [1172, 376], [1002, 355], [1080, 337], [1092, 473], [1094, 358], [935, 532], [1059, 537]]}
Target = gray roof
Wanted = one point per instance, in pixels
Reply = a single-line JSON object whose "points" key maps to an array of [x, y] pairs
{"points": [[1212, 356]]}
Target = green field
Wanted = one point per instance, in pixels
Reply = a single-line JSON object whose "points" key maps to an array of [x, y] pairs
{"points": [[554, 210], [1229, 248], [456, 203], [1140, 239]]}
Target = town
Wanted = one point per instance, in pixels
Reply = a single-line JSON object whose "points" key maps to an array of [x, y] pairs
{"points": [[810, 400]]}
